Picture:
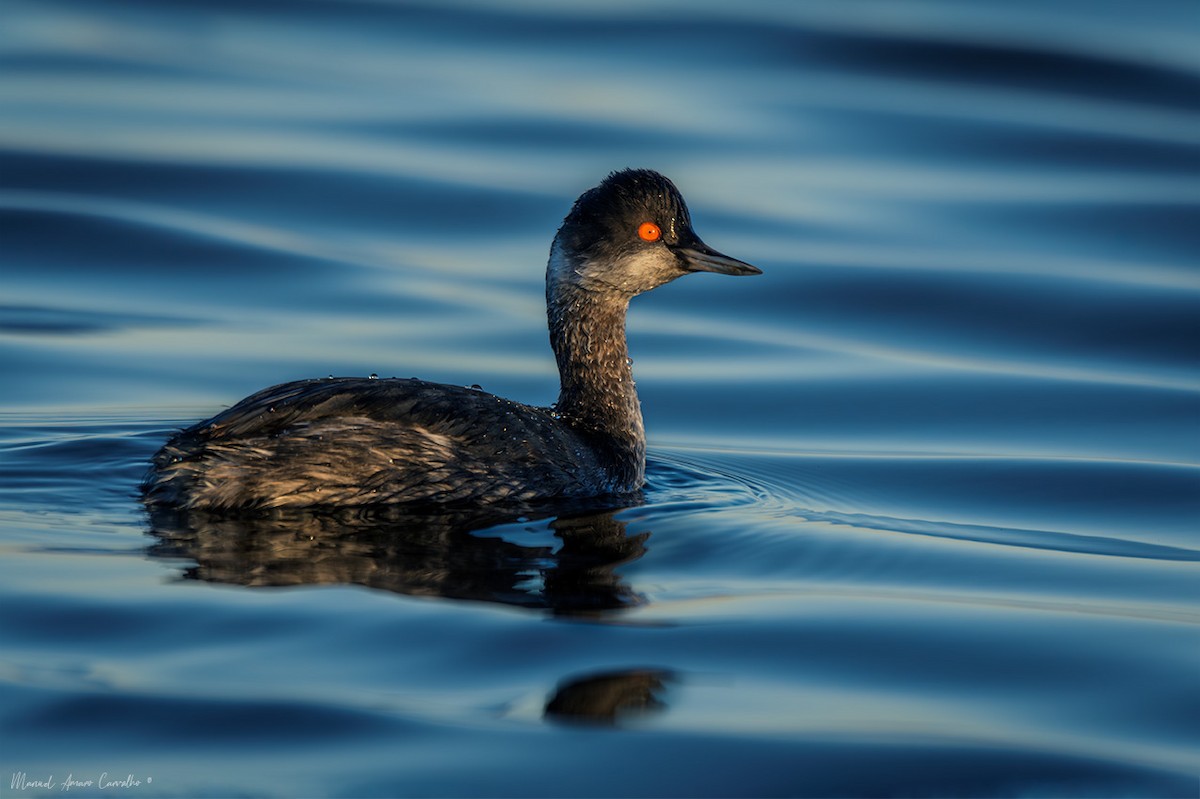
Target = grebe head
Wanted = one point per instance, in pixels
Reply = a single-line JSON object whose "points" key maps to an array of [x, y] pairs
{"points": [[630, 234]]}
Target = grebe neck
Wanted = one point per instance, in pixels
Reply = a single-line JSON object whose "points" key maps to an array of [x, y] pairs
{"points": [[598, 395]]}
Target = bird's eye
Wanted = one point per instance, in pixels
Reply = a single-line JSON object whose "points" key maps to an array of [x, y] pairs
{"points": [[648, 231]]}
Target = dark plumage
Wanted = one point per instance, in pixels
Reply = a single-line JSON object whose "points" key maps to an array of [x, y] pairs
{"points": [[356, 441]]}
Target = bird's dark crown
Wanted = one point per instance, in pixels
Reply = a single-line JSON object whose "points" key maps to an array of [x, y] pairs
{"points": [[605, 219]]}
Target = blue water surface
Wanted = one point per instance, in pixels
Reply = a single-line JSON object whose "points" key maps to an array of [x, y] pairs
{"points": [[923, 512]]}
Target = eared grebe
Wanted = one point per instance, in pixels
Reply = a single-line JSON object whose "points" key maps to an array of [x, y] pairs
{"points": [[360, 441]]}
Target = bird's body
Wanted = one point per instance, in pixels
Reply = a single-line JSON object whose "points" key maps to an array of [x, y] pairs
{"points": [[360, 441]]}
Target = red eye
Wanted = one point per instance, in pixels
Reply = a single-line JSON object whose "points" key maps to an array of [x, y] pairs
{"points": [[648, 231]]}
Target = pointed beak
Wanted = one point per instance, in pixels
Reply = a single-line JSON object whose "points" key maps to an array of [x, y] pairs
{"points": [[699, 257]]}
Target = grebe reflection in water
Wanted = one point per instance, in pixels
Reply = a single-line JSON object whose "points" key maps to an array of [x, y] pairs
{"points": [[358, 441], [565, 564]]}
